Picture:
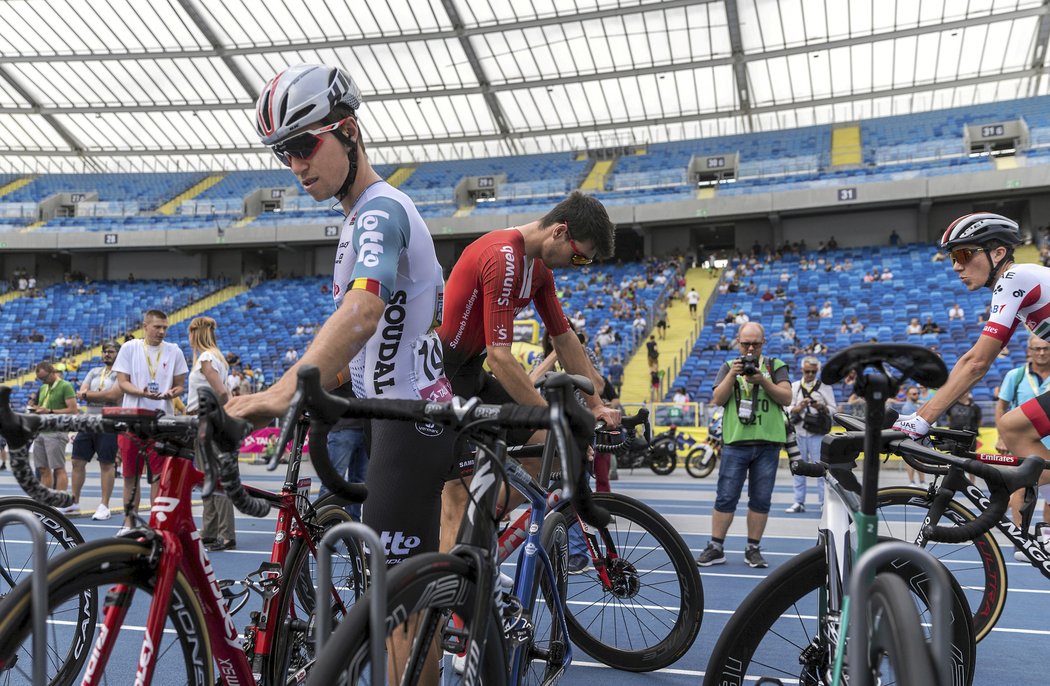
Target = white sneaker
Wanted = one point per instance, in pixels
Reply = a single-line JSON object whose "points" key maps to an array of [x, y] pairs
{"points": [[459, 663], [795, 508], [1020, 556], [101, 513], [123, 530], [70, 509]]}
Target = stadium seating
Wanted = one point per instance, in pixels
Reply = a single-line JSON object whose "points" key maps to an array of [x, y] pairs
{"points": [[919, 288], [149, 189]]}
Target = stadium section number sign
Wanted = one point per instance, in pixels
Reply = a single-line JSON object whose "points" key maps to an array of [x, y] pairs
{"points": [[486, 182], [993, 131], [847, 194], [716, 162], [110, 239], [331, 231]]}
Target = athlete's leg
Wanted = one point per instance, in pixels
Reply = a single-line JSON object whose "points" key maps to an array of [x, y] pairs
{"points": [[1023, 428], [79, 476]]}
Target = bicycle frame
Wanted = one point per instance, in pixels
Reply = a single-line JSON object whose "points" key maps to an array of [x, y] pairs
{"points": [[180, 549]]}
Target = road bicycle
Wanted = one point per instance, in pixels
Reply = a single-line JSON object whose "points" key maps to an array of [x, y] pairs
{"points": [[60, 534], [639, 605], [452, 602], [975, 560], [792, 623], [163, 610]]}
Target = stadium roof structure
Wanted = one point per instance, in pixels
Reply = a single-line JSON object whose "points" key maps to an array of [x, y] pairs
{"points": [[171, 84]]}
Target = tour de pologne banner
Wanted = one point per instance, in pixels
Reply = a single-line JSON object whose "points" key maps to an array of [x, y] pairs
{"points": [[258, 440]]}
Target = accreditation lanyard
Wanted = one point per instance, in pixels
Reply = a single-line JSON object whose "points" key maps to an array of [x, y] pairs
{"points": [[152, 365], [1036, 387], [46, 390], [105, 373]]}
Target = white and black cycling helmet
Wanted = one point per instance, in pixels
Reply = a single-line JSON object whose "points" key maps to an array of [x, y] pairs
{"points": [[303, 98], [986, 230]]}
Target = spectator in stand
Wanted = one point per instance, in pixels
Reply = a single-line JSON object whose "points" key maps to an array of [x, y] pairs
{"points": [[661, 321], [914, 327], [579, 321], [930, 326], [300, 330], [855, 326], [956, 313], [844, 327], [767, 295], [59, 342], [654, 386], [741, 318], [639, 325], [812, 312], [680, 398], [653, 354], [983, 317], [895, 239], [887, 275], [826, 311], [693, 298], [832, 243], [868, 278], [31, 283], [779, 292], [291, 355], [56, 396]]}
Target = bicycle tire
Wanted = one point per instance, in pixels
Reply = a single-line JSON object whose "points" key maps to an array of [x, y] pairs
{"points": [[545, 652], [978, 565], [695, 464], [292, 648], [784, 608], [99, 566], [436, 583], [663, 457], [656, 574], [896, 635], [60, 534]]}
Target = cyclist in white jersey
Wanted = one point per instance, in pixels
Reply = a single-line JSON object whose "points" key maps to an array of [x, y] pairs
{"points": [[388, 290], [981, 247]]}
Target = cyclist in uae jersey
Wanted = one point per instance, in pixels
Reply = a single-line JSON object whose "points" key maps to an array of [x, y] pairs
{"points": [[387, 285], [495, 277], [981, 247]]}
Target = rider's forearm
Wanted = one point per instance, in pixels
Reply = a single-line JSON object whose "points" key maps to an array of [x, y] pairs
{"points": [[575, 361], [341, 337], [511, 375]]}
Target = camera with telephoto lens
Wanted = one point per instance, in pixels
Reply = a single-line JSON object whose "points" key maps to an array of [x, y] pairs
{"points": [[750, 363]]}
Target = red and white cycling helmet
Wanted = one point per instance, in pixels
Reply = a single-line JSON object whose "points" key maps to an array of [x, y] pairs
{"points": [[303, 96], [981, 228]]}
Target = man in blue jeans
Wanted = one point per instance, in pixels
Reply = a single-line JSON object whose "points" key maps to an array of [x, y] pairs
{"points": [[753, 389], [346, 449]]}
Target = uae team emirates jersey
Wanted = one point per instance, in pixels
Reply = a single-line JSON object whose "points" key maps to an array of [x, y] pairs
{"points": [[1020, 296], [492, 281]]}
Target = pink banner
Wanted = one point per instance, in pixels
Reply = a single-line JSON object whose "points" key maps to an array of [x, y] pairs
{"points": [[257, 442]]}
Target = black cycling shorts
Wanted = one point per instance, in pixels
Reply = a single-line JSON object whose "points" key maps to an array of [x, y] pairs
{"points": [[408, 464]]}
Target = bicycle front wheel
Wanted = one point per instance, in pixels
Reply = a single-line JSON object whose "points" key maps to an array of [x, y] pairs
{"points": [[122, 572], [646, 612], [293, 646], [897, 652], [430, 597], [977, 564], [67, 643], [779, 630]]}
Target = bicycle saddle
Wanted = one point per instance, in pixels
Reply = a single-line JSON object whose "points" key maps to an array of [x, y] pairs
{"points": [[911, 361]]}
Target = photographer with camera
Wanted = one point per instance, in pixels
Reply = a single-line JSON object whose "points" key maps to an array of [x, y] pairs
{"points": [[753, 389], [810, 413]]}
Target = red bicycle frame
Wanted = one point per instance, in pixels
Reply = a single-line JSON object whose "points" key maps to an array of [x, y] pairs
{"points": [[181, 550]]}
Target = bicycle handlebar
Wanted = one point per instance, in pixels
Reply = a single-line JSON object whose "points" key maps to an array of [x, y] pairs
{"points": [[219, 430], [1002, 480], [628, 426], [561, 417]]}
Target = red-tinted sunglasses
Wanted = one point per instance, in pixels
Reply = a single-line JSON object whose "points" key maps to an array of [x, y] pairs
{"points": [[964, 255], [578, 258], [304, 145]]}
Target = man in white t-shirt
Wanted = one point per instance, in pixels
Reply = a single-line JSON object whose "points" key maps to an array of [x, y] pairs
{"points": [[151, 373], [693, 298]]}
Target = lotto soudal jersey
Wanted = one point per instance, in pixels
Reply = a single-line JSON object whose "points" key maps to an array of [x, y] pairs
{"points": [[492, 281], [1020, 296], [386, 249]]}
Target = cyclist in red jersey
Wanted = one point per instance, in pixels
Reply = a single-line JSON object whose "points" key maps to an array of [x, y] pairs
{"points": [[981, 247], [495, 277]]}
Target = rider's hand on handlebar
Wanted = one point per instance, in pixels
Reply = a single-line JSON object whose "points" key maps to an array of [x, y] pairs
{"points": [[912, 424], [258, 408], [609, 415]]}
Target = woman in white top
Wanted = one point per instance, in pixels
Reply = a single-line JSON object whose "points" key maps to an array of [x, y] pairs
{"points": [[210, 369]]}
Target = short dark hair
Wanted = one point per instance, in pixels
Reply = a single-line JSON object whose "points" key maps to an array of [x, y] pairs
{"points": [[156, 314], [587, 221], [47, 367]]}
